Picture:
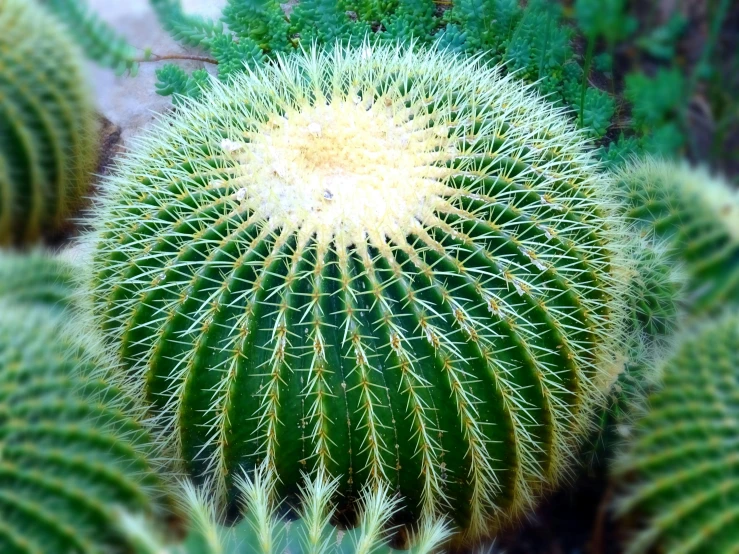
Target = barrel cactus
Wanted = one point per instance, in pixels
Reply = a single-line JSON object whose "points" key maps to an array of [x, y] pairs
{"points": [[685, 450], [36, 278], [384, 265], [47, 123], [71, 452], [698, 216]]}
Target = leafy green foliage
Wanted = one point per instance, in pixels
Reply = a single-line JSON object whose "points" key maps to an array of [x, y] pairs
{"points": [[96, 38], [325, 22], [191, 30], [262, 21], [413, 19], [173, 80], [606, 19], [655, 108], [232, 55]]}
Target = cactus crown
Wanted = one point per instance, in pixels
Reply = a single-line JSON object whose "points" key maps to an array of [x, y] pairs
{"points": [[685, 451], [386, 265], [47, 123], [697, 216], [71, 447]]}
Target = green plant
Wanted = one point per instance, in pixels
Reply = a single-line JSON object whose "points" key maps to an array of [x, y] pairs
{"points": [[263, 530], [697, 216], [684, 455], [72, 451], [47, 123], [36, 278], [388, 265], [95, 37]]}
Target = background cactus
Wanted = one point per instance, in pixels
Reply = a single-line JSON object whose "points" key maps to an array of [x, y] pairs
{"points": [[387, 266], [47, 123], [72, 452], [697, 215], [685, 451], [36, 278]]}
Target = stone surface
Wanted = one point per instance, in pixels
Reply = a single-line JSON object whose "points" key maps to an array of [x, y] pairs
{"points": [[131, 103]]}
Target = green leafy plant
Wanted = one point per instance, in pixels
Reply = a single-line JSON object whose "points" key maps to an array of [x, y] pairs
{"points": [[72, 450], [47, 124], [684, 454], [391, 266], [98, 40], [697, 215]]}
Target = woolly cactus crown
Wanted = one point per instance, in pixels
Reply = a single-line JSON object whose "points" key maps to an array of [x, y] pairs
{"points": [[386, 265], [47, 123]]}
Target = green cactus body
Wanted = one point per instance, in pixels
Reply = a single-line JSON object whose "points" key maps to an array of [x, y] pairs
{"points": [[685, 450], [71, 451], [36, 278], [698, 217], [47, 123], [392, 267]]}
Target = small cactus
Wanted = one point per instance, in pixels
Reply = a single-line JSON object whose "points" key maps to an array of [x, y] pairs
{"points": [[47, 123], [685, 451], [697, 215], [390, 266], [71, 452], [36, 278], [262, 530]]}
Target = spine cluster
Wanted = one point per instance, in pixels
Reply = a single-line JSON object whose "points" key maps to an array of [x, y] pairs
{"points": [[47, 123], [389, 267]]}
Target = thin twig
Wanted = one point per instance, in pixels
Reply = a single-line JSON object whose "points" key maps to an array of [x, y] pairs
{"points": [[157, 58]]}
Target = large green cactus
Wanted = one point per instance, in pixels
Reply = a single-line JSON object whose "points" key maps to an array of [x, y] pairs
{"points": [[685, 452], [392, 267], [47, 123], [71, 453], [697, 215]]}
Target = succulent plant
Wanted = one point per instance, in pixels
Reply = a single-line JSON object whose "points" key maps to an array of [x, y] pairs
{"points": [[36, 278], [71, 452], [685, 451], [47, 123], [390, 266], [697, 215], [263, 530]]}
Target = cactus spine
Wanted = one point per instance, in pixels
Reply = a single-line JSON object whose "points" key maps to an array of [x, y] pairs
{"points": [[71, 451], [47, 124], [685, 451], [698, 217], [385, 266]]}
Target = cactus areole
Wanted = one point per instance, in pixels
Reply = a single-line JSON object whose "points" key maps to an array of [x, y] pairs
{"points": [[390, 265]]}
